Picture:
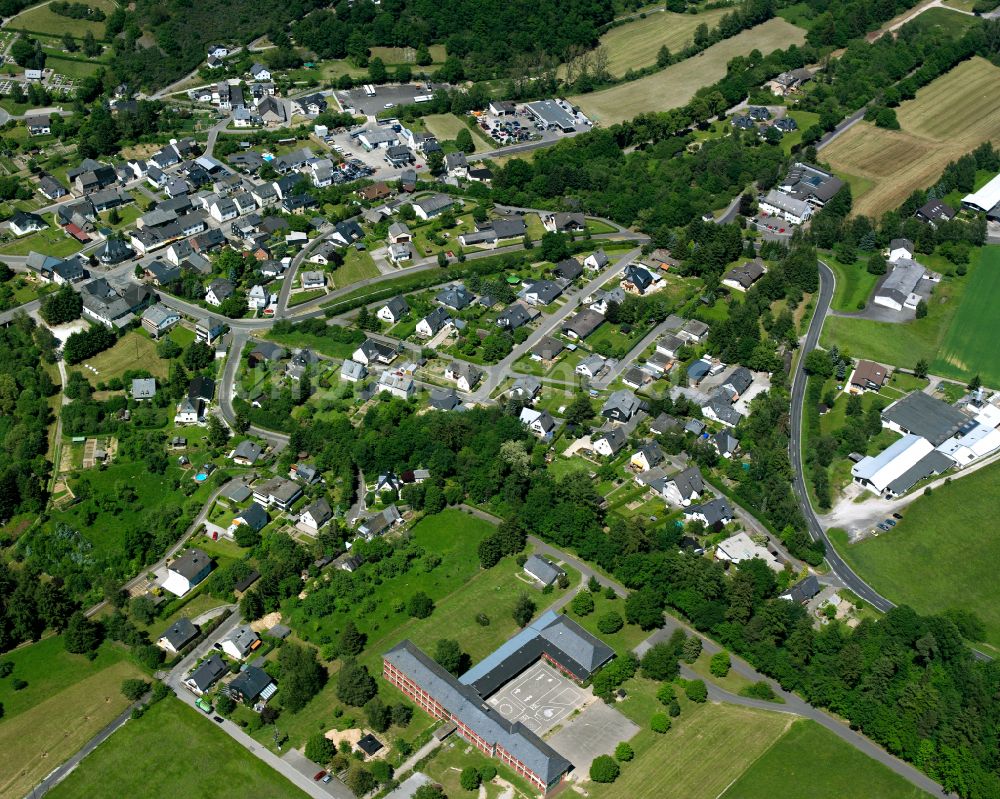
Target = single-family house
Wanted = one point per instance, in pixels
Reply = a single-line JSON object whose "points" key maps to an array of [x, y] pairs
{"points": [[394, 310], [868, 376], [646, 457], [433, 205], [186, 571], [189, 411], [219, 290], [177, 636], [456, 297], [434, 322], [398, 385], [465, 375], [684, 487], [252, 686], [621, 406], [540, 423], [714, 514], [583, 324], [543, 570], [352, 371], [372, 351], [316, 515], [254, 518], [608, 442], [741, 278], [143, 388], [277, 491], [247, 453], [158, 319], [240, 643], [378, 523], [209, 672], [22, 223], [542, 292], [590, 366]]}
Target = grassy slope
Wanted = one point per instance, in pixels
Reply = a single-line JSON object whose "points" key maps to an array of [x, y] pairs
{"points": [[68, 699], [133, 351], [810, 755], [676, 85], [854, 284], [181, 753], [635, 44], [942, 542]]}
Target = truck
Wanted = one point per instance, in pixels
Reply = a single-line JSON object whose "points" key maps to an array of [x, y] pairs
{"points": [[369, 89], [204, 705]]}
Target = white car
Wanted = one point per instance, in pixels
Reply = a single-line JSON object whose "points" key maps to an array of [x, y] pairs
{"points": [[390, 105]]}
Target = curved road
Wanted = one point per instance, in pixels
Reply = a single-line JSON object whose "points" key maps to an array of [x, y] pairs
{"points": [[827, 282]]}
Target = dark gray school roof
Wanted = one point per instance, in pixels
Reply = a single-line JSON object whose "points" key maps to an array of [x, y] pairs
{"points": [[926, 416], [466, 704], [180, 633], [557, 636]]}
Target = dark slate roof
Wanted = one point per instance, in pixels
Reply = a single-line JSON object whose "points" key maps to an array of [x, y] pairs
{"points": [[804, 590], [569, 269], [557, 636], [924, 415], [251, 682], [370, 745], [255, 517], [207, 673], [463, 702], [180, 633], [191, 563], [715, 511]]}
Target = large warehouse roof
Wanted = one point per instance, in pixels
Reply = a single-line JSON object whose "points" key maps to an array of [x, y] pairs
{"points": [[987, 198]]}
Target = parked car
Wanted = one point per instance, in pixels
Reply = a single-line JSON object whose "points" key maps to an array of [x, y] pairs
{"points": [[320, 775], [217, 719], [327, 778], [897, 516], [890, 522]]}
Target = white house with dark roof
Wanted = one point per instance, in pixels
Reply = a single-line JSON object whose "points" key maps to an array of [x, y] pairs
{"points": [[186, 571]]}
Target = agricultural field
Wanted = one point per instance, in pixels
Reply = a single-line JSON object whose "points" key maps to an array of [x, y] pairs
{"points": [[968, 345], [68, 699], [676, 85], [948, 118], [133, 351], [954, 337], [635, 44], [930, 552], [182, 754], [41, 19], [809, 754]]}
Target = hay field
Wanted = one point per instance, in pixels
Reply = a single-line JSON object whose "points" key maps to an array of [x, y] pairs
{"points": [[41, 19], [676, 85], [635, 44], [948, 118]]}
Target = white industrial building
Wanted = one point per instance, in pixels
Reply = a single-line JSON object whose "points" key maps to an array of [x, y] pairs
{"points": [[876, 473], [987, 199]]}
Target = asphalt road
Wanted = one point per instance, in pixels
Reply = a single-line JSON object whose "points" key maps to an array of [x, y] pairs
{"points": [[827, 281]]}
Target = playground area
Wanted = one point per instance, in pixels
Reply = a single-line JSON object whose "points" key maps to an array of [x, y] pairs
{"points": [[539, 698]]}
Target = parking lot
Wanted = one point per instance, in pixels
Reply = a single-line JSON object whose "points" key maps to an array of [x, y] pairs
{"points": [[597, 730], [539, 698], [358, 102]]}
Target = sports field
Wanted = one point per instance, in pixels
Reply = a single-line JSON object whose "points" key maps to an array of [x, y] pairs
{"points": [[41, 19], [635, 44], [133, 351], [969, 345], [942, 554], [808, 754], [947, 119], [955, 337], [676, 85], [173, 750], [68, 699]]}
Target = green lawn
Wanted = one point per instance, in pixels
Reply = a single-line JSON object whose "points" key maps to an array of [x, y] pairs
{"points": [[707, 747], [629, 636], [52, 242], [133, 351], [941, 542], [322, 344], [72, 68], [809, 754], [42, 19], [904, 344], [968, 344], [854, 284], [68, 699], [358, 265], [154, 491], [182, 753], [300, 297]]}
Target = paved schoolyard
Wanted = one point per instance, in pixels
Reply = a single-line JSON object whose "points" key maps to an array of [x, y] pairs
{"points": [[539, 698], [597, 730]]}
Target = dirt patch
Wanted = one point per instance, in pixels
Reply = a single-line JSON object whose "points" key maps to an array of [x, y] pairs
{"points": [[266, 623], [351, 736]]}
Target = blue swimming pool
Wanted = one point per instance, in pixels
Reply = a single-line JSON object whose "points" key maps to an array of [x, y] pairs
{"points": [[201, 477]]}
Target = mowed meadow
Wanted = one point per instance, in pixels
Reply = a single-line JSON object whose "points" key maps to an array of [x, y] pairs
{"points": [[675, 86], [948, 118], [635, 44]]}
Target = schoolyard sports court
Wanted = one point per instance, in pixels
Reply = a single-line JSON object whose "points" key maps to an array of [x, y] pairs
{"points": [[539, 698]]}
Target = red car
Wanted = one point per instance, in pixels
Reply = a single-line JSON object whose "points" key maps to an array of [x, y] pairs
{"points": [[319, 775]]}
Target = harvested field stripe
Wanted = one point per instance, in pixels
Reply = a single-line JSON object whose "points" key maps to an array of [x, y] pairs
{"points": [[674, 86]]}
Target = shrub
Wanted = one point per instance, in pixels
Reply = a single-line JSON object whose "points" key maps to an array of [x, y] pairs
{"points": [[659, 723], [623, 752], [759, 690], [696, 690], [470, 778], [674, 709], [133, 689], [420, 606], [583, 603], [320, 749], [691, 649], [610, 623], [720, 664], [487, 773], [665, 694], [604, 769]]}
